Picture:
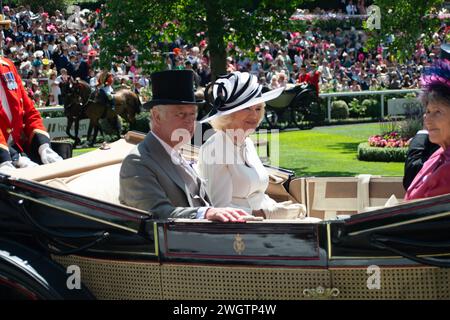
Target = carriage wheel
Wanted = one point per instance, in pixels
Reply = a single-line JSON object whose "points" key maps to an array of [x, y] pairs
{"points": [[296, 118], [297, 111], [314, 115], [301, 109], [272, 118]]}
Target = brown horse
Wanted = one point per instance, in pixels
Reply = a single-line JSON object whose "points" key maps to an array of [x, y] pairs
{"points": [[81, 102]]}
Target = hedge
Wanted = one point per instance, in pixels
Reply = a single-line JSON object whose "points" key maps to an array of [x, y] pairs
{"points": [[339, 109], [368, 153], [142, 123], [372, 108]]}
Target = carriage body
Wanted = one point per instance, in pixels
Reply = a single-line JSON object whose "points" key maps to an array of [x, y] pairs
{"points": [[67, 215], [296, 106]]}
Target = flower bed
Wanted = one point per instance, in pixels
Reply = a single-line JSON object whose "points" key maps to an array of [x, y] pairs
{"points": [[389, 140], [390, 147]]}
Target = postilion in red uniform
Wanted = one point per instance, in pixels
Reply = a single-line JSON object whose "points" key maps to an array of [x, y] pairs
{"points": [[26, 126]]}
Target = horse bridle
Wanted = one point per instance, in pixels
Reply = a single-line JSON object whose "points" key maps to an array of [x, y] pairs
{"points": [[89, 99]]}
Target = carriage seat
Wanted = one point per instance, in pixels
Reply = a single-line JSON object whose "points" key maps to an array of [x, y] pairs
{"points": [[102, 183]]}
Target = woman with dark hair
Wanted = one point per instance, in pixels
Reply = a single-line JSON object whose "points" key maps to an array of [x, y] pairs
{"points": [[105, 89], [434, 177]]}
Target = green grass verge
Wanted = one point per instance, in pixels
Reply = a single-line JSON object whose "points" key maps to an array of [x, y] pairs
{"points": [[332, 151], [77, 152]]}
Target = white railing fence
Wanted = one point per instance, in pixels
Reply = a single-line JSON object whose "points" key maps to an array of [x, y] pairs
{"points": [[381, 93], [57, 126]]}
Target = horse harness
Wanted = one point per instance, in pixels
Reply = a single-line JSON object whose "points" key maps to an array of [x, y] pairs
{"points": [[91, 98]]}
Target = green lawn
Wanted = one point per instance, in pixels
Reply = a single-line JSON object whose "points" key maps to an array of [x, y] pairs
{"points": [[331, 151], [326, 151], [77, 152]]}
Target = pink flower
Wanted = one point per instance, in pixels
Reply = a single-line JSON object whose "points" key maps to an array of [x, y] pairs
{"points": [[391, 140]]}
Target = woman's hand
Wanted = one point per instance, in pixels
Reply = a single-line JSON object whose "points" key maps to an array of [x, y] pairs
{"points": [[286, 210], [259, 213]]}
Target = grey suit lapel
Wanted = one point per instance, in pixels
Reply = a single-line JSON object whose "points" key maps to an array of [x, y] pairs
{"points": [[159, 155], [202, 190]]}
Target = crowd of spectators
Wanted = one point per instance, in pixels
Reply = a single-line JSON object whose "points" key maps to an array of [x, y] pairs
{"points": [[340, 58], [337, 60], [51, 49]]}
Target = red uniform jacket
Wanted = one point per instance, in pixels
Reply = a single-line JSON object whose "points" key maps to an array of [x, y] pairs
{"points": [[26, 127], [303, 78], [314, 78], [311, 78]]}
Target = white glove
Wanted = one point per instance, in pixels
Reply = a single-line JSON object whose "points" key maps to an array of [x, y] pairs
{"points": [[285, 210], [24, 162], [47, 154], [6, 167]]}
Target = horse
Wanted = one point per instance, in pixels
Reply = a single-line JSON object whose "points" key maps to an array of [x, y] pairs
{"points": [[81, 102]]}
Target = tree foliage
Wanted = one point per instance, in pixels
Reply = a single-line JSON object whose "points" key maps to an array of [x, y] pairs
{"points": [[151, 25], [49, 5], [407, 21]]}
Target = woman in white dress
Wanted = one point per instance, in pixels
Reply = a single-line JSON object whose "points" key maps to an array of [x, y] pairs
{"points": [[55, 90], [228, 160]]}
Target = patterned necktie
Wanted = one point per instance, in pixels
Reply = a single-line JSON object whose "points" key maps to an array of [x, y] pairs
{"points": [[188, 167], [193, 182]]}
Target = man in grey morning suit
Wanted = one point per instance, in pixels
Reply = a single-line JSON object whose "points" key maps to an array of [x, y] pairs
{"points": [[154, 176]]}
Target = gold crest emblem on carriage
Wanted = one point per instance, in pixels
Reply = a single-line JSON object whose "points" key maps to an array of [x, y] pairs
{"points": [[238, 245]]}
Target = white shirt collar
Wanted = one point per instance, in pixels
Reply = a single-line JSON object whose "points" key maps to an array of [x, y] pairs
{"points": [[173, 153]]}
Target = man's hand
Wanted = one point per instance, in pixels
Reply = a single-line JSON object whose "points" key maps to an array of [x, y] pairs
{"points": [[226, 214], [48, 155]]}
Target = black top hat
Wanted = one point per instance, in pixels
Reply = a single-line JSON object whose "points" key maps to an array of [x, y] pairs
{"points": [[172, 87], [445, 51]]}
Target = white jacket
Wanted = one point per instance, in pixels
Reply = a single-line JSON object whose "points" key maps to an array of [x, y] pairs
{"points": [[235, 176]]}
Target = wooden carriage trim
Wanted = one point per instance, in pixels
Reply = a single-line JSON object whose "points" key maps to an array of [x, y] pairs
{"points": [[357, 219], [60, 195], [435, 216], [390, 257], [237, 257], [73, 212], [155, 238]]}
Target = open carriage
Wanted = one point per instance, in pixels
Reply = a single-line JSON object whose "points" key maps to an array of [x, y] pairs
{"points": [[297, 106], [59, 218]]}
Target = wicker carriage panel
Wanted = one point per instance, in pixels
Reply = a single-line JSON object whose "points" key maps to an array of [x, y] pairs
{"points": [[216, 282], [395, 283], [443, 283], [110, 279]]}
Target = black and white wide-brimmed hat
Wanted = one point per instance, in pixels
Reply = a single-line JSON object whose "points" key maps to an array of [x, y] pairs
{"points": [[236, 91]]}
